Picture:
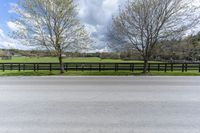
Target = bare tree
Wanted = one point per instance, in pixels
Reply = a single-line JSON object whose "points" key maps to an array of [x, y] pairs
{"points": [[143, 23], [52, 25]]}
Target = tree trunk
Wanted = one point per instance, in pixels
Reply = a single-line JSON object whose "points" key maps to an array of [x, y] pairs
{"points": [[145, 65], [61, 64]]}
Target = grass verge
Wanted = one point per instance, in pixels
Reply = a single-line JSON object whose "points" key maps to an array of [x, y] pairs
{"points": [[97, 73]]}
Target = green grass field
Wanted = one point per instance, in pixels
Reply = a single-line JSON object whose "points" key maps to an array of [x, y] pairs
{"points": [[55, 60]]}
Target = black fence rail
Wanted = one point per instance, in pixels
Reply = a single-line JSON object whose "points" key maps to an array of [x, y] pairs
{"points": [[183, 67]]}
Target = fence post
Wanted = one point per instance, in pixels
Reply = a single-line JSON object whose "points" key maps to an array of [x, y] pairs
{"points": [[133, 67], [90, 67], [165, 67], [3, 66], [172, 67], [158, 67], [34, 67], [99, 67], [183, 67], [24, 67], [83, 66], [37, 67], [50, 67], [76, 67], [199, 67], [149, 67], [66, 67], [11, 66], [19, 67], [116, 67], [186, 67]]}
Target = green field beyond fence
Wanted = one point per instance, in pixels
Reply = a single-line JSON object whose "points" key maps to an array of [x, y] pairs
{"points": [[55, 60]]}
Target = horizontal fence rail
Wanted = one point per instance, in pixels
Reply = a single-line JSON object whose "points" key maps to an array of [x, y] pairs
{"points": [[183, 67]]}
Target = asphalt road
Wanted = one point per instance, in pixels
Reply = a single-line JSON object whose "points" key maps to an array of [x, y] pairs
{"points": [[100, 105]]}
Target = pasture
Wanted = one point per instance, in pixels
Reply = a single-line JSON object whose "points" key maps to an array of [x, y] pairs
{"points": [[55, 60]]}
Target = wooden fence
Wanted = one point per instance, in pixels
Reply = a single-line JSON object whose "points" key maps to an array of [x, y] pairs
{"points": [[183, 67]]}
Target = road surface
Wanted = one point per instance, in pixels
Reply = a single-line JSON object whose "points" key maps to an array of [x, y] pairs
{"points": [[100, 105]]}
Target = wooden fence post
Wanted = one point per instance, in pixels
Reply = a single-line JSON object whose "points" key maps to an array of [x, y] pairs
{"points": [[3, 66], [116, 67], [24, 67], [90, 67], [149, 67], [199, 67], [76, 67], [172, 67], [83, 66], [66, 67], [183, 67], [99, 67], [19, 67], [133, 67], [34, 67], [37, 67], [11, 66], [165, 67], [186, 67], [50, 67]]}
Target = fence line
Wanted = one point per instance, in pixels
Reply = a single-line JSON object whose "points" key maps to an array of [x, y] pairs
{"points": [[71, 66]]}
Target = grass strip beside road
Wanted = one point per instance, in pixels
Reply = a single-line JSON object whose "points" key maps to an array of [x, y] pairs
{"points": [[97, 73]]}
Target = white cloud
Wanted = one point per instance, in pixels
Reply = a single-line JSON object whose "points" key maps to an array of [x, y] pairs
{"points": [[96, 15], [97, 11], [12, 26], [15, 26], [7, 42]]}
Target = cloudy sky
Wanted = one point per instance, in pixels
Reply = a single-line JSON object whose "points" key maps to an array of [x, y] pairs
{"points": [[95, 14]]}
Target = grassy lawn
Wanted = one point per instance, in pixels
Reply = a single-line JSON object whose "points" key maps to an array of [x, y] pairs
{"points": [[176, 73], [97, 73], [55, 60]]}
